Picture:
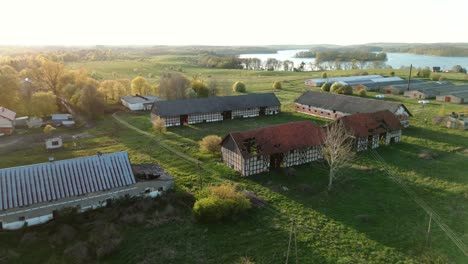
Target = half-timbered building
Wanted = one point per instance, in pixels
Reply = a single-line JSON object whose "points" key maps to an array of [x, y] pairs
{"points": [[259, 150], [334, 106], [372, 129], [211, 109]]}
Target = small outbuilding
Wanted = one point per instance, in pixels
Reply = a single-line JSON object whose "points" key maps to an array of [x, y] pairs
{"points": [[7, 121], [53, 143], [139, 102], [62, 120], [460, 97]]}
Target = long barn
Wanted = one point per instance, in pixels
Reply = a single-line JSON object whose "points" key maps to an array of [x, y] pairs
{"points": [[334, 106], [211, 109]]}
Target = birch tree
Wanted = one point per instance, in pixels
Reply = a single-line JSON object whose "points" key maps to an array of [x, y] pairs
{"points": [[337, 150]]}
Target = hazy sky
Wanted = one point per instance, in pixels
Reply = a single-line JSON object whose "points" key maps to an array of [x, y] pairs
{"points": [[235, 22]]}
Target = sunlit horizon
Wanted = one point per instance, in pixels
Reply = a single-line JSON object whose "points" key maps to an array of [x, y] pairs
{"points": [[223, 23]]}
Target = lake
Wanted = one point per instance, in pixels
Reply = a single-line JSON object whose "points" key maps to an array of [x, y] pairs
{"points": [[396, 60]]}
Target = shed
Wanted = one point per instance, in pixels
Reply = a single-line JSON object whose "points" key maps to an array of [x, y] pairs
{"points": [[7, 121], [139, 102]]}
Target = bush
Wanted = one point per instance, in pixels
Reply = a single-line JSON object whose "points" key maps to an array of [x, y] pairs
{"points": [[239, 87], [337, 87], [326, 87], [210, 144], [362, 92], [221, 202], [159, 125], [324, 75], [392, 73], [435, 77], [348, 90], [277, 85]]}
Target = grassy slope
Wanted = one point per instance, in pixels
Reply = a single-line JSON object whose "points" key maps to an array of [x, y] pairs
{"points": [[327, 230]]}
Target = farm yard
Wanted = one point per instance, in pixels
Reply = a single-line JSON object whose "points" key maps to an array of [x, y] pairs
{"points": [[366, 218]]}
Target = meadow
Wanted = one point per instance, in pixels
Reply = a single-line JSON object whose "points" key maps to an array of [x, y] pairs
{"points": [[366, 218]]}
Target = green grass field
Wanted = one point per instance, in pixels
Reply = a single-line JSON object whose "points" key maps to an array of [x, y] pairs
{"points": [[328, 229]]}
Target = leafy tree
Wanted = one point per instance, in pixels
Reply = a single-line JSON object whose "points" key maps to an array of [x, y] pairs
{"points": [[9, 87], [140, 86], [190, 93], [337, 87], [348, 90], [324, 75], [159, 125], [362, 92], [435, 76], [337, 150], [50, 74], [458, 69], [276, 85], [326, 87], [424, 73], [48, 129], [200, 87], [210, 144], [43, 104], [173, 85], [213, 88], [91, 102], [239, 87]]}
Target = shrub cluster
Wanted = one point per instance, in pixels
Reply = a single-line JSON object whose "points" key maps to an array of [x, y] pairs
{"points": [[219, 203], [210, 144], [239, 87]]}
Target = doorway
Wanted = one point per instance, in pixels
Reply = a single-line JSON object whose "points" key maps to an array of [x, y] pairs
{"points": [[227, 115], [447, 99], [184, 120], [262, 111], [276, 161]]}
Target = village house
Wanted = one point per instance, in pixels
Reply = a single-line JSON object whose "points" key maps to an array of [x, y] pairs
{"points": [[259, 150], [34, 194], [7, 121], [334, 106], [372, 129], [211, 109], [62, 120], [139, 102]]}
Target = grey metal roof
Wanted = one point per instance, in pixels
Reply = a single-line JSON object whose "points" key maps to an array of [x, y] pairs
{"points": [[27, 185], [213, 104], [459, 94], [140, 99], [347, 104], [344, 79]]}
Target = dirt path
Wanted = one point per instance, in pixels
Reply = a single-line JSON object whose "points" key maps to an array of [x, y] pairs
{"points": [[159, 142]]}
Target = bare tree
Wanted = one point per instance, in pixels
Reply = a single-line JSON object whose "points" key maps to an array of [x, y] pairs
{"points": [[337, 150]]}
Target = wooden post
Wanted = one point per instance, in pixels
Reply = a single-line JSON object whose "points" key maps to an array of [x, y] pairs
{"points": [[428, 238], [409, 78]]}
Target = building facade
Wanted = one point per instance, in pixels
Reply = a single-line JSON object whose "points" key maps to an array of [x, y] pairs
{"points": [[213, 109], [334, 106], [260, 150]]}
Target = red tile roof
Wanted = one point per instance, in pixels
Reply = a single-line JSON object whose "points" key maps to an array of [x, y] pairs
{"points": [[279, 138], [366, 124], [6, 113]]}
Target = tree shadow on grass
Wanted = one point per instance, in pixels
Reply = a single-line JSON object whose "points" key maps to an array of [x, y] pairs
{"points": [[367, 201]]}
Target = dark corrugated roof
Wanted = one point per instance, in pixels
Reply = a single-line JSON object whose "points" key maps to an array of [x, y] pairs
{"points": [[280, 138], [213, 104], [366, 124], [26, 185], [346, 104]]}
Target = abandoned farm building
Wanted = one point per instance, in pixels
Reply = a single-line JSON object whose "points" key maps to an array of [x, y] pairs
{"points": [[211, 109], [344, 80], [434, 90], [139, 102], [372, 129], [255, 151], [7, 121], [333, 106], [33, 194], [460, 97]]}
